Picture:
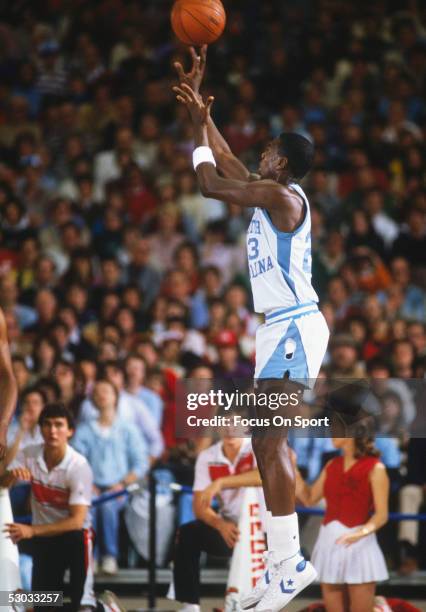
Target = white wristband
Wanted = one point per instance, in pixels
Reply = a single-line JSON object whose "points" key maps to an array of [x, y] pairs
{"points": [[202, 155]]}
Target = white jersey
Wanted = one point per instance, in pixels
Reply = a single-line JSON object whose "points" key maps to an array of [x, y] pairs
{"points": [[280, 263], [53, 492]]}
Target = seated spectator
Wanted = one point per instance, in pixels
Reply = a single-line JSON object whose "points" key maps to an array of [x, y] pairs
{"points": [[411, 242], [413, 302], [118, 456], [135, 369], [65, 376], [25, 315], [402, 358], [213, 532], [21, 371], [344, 358], [328, 260], [230, 364], [46, 354], [167, 238], [363, 234], [416, 334], [140, 272], [60, 502], [129, 409], [26, 431]]}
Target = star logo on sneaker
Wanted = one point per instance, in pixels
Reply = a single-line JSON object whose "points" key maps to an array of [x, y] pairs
{"points": [[290, 582], [283, 589]]}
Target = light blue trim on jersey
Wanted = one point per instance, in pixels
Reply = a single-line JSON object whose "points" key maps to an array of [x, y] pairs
{"points": [[277, 365], [282, 311], [298, 229], [284, 260], [294, 317]]}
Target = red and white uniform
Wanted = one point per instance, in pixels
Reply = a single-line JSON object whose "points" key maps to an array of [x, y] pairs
{"points": [[212, 464], [52, 492], [349, 503]]}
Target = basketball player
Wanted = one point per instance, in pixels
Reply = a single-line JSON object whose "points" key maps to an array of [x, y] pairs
{"points": [[8, 389], [291, 344]]}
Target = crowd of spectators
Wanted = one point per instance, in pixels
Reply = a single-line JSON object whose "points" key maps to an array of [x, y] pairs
{"points": [[117, 277]]}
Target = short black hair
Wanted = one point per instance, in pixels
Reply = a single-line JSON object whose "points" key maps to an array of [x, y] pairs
{"points": [[30, 390], [54, 411], [299, 152]]}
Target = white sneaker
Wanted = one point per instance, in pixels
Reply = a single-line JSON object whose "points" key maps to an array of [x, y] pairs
{"points": [[111, 603], [259, 590], [109, 565], [291, 577]]}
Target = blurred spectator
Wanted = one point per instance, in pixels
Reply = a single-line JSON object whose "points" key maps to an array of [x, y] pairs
{"points": [[135, 369], [129, 408], [118, 456], [26, 431]]}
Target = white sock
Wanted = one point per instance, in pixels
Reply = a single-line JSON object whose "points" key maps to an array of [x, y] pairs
{"points": [[283, 535], [188, 607]]}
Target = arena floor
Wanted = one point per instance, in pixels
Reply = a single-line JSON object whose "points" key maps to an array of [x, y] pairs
{"points": [[208, 604]]}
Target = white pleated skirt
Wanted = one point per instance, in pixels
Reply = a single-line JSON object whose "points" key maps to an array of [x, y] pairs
{"points": [[360, 562]]}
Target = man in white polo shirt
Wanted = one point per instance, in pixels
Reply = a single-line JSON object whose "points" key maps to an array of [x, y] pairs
{"points": [[61, 491], [221, 470]]}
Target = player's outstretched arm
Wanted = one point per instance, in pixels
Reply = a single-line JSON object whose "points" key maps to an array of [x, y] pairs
{"points": [[8, 388], [228, 164], [264, 193]]}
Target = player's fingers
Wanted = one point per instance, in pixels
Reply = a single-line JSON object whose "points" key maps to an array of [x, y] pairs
{"points": [[203, 55], [209, 103], [179, 70], [181, 100], [188, 90], [194, 55], [182, 94]]}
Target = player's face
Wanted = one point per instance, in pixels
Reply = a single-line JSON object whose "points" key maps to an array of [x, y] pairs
{"points": [[270, 162]]}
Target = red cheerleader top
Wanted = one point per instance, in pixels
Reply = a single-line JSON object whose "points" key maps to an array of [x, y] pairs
{"points": [[348, 494]]}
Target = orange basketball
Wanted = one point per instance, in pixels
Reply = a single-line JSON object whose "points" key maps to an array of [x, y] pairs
{"points": [[198, 22]]}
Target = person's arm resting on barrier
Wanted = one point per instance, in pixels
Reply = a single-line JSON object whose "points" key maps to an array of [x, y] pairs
{"points": [[234, 481]]}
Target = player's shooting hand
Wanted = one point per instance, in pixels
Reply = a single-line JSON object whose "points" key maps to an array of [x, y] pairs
{"points": [[194, 77], [197, 108], [17, 531], [229, 532], [210, 492]]}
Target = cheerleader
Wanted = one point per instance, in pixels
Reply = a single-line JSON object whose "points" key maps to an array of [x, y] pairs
{"points": [[346, 555]]}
